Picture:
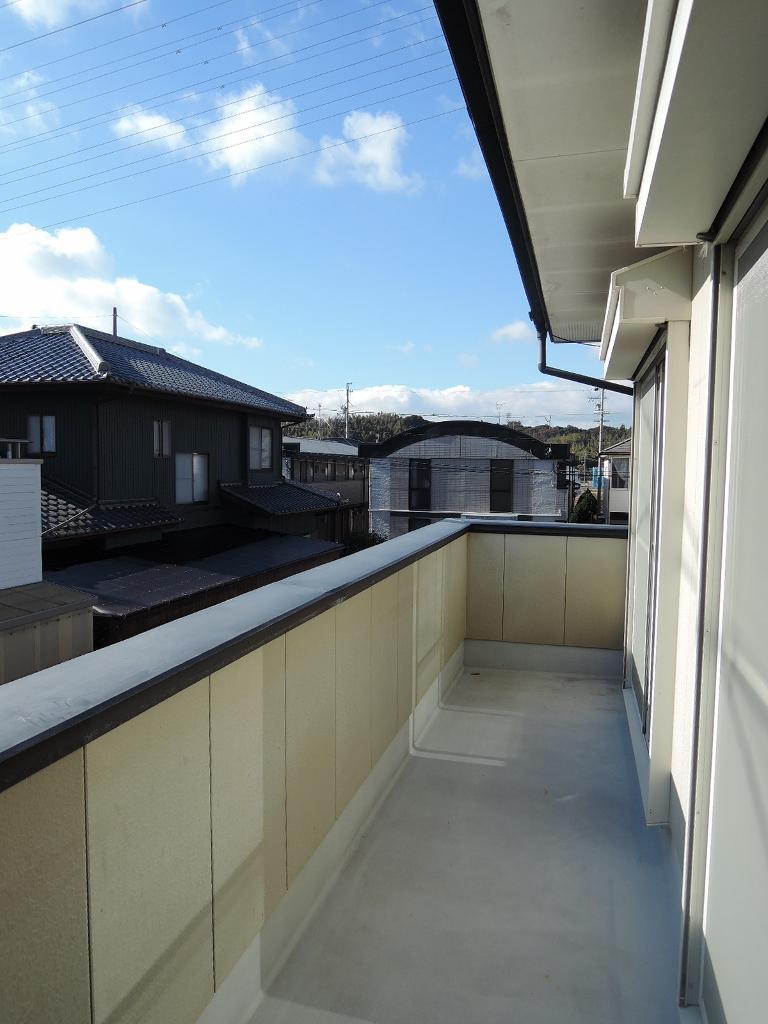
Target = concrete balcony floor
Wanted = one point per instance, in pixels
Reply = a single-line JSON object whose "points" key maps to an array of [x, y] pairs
{"points": [[508, 876]]}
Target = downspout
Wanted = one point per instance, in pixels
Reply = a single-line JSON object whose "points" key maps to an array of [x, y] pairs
{"points": [[579, 378], [700, 618]]}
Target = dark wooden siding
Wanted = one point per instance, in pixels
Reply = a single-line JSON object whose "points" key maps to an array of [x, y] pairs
{"points": [[129, 469], [74, 463]]}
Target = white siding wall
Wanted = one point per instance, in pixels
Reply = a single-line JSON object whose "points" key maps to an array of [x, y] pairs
{"points": [[20, 544], [461, 479]]}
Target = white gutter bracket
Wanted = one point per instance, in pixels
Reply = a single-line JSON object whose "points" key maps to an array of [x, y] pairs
{"points": [[642, 297]]}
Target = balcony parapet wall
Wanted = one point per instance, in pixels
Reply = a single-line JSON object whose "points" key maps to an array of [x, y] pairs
{"points": [[175, 804]]}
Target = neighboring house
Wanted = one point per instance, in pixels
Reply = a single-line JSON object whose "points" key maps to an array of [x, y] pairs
{"points": [[331, 467], [137, 442], [615, 462], [443, 469], [143, 449]]}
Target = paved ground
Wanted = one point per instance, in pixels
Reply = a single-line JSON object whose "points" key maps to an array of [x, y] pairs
{"points": [[508, 877]]}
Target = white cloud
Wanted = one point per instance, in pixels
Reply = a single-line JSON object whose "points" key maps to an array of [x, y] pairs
{"points": [[52, 13], [529, 403], [66, 275], [375, 162], [153, 127], [405, 349], [270, 124], [468, 359], [472, 167], [29, 114], [518, 330]]}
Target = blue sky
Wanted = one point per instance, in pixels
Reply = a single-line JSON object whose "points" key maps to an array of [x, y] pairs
{"points": [[342, 241]]}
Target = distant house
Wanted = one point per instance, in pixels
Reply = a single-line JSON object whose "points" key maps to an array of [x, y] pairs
{"points": [[443, 469], [144, 452], [615, 462], [333, 467]]}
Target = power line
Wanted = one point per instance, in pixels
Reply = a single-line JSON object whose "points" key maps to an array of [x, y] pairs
{"points": [[116, 39], [225, 117], [233, 145], [74, 127], [217, 33], [247, 170], [173, 71], [74, 24]]}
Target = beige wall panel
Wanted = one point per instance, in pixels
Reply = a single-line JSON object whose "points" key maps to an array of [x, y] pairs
{"points": [[455, 616], [149, 837], [429, 620], [353, 696], [406, 580], [237, 809], [485, 584], [429, 603], [310, 743], [43, 903], [595, 592], [383, 666], [534, 589], [276, 879]]}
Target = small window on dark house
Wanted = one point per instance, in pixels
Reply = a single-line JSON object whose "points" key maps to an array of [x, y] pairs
{"points": [[419, 485], [620, 473], [161, 439], [260, 448], [191, 478], [502, 475], [41, 435]]}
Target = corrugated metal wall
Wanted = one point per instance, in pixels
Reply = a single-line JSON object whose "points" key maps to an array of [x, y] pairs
{"points": [[74, 460]]}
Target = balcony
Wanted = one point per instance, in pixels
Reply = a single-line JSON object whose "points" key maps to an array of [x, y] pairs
{"points": [[394, 788]]}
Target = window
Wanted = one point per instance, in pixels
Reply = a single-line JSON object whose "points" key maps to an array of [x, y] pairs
{"points": [[419, 484], [260, 448], [161, 438], [620, 473], [191, 478], [41, 434], [502, 474]]}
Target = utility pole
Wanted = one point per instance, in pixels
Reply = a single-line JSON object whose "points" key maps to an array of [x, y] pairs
{"points": [[346, 410], [499, 406], [114, 321], [599, 409]]}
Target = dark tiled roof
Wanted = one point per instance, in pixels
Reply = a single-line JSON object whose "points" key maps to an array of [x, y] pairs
{"points": [[282, 498], [77, 354], [67, 514]]}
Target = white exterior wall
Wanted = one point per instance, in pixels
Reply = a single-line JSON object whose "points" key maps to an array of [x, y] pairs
{"points": [[461, 480], [20, 543]]}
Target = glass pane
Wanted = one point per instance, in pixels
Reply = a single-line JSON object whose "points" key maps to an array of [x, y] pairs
{"points": [[183, 479], [266, 448], [166, 437], [156, 449], [49, 433], [33, 434], [200, 477]]}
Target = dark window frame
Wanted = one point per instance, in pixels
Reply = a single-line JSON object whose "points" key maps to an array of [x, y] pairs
{"points": [[161, 439], [501, 485], [195, 501], [37, 445], [259, 447], [620, 480], [420, 486]]}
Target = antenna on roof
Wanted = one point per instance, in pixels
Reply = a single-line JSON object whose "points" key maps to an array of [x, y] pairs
{"points": [[114, 321]]}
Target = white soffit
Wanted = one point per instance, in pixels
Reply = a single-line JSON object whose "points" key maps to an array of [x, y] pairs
{"points": [[712, 102], [642, 297], [565, 75]]}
